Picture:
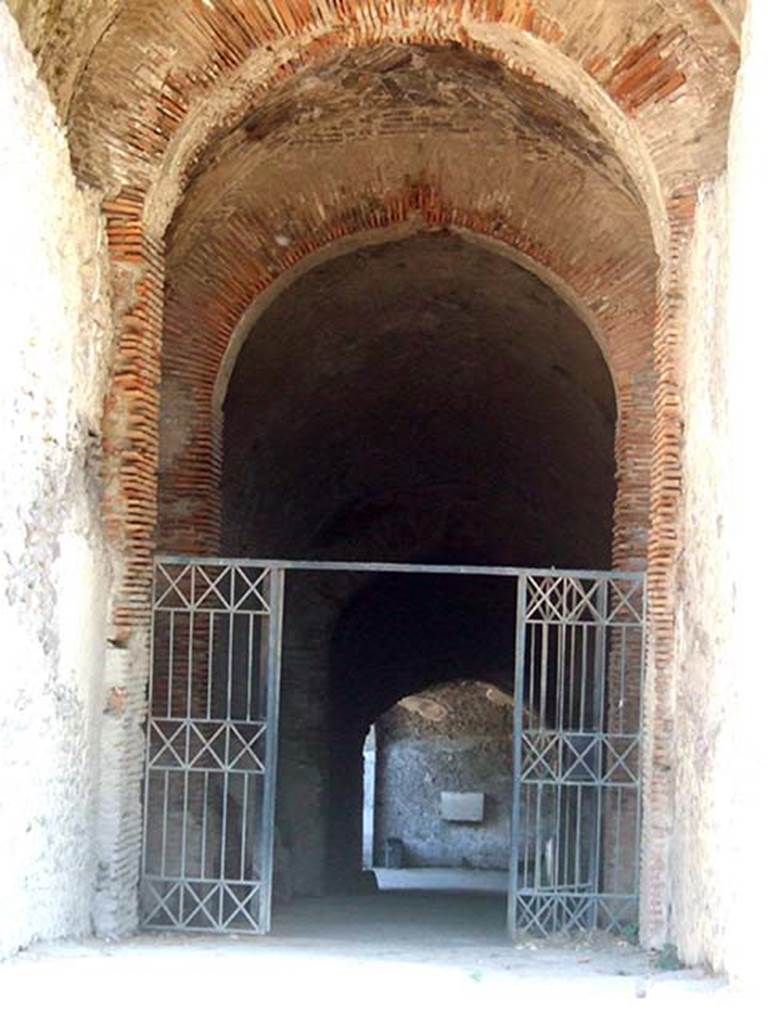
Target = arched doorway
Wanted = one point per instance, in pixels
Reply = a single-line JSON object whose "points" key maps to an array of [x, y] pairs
{"points": [[425, 400]]}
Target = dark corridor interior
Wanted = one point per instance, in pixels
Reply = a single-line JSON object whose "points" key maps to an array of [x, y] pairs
{"points": [[425, 400]]}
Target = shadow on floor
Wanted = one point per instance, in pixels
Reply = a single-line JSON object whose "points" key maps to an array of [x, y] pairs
{"points": [[397, 917]]}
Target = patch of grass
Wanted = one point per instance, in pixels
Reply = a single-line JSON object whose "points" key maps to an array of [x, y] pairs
{"points": [[666, 959]]}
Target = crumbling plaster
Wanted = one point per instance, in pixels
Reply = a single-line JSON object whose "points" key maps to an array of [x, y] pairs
{"points": [[718, 853], [53, 569], [703, 603]]}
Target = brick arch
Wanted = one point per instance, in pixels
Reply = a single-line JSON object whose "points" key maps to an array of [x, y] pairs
{"points": [[411, 218], [208, 123], [129, 75], [635, 78], [189, 519], [143, 74]]}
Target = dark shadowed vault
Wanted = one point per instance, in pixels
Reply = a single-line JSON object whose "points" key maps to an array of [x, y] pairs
{"points": [[425, 398], [421, 400]]}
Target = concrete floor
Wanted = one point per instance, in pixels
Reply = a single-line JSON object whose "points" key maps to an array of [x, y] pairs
{"points": [[395, 957]]}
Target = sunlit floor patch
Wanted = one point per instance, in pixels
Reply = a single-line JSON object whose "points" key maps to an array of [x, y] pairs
{"points": [[414, 955]]}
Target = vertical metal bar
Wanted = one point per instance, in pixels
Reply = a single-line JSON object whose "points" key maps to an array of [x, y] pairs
{"points": [[244, 825], [584, 676], [578, 882], [209, 682], [544, 674], [187, 732], [185, 806], [573, 696], [249, 678], [560, 634], [538, 851], [171, 642], [164, 839], [617, 838], [265, 654], [517, 754], [638, 729], [152, 641], [559, 843], [190, 648], [621, 724], [231, 641], [570, 724], [598, 692], [533, 641], [148, 724], [276, 593], [225, 802], [565, 872], [599, 727], [558, 787], [523, 831], [204, 840], [224, 828]]}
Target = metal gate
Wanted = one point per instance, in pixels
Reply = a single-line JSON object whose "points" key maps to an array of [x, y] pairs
{"points": [[209, 797], [211, 763], [575, 836]]}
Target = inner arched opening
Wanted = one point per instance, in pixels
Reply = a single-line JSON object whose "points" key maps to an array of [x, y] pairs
{"points": [[422, 398], [425, 400], [435, 806]]}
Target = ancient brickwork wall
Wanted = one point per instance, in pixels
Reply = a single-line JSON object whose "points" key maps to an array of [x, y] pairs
{"points": [[168, 103]]}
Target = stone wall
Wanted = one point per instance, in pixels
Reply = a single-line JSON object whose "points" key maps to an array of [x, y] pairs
{"points": [[744, 762], [53, 570], [702, 681], [454, 738], [717, 898]]}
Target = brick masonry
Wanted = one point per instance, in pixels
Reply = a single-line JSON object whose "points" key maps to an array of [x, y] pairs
{"points": [[623, 115]]}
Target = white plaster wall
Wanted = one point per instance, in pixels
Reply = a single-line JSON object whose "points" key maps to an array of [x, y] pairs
{"points": [[742, 848], [53, 570], [704, 596], [720, 845]]}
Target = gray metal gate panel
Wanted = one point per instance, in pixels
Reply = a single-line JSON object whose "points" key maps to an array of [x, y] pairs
{"points": [[210, 783], [574, 861]]}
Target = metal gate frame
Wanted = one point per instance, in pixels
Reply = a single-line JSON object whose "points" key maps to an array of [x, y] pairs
{"points": [[577, 776], [194, 741], [209, 748]]}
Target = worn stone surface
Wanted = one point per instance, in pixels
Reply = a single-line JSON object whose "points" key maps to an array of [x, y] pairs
{"points": [[455, 738], [718, 905], [702, 594], [742, 757], [53, 570]]}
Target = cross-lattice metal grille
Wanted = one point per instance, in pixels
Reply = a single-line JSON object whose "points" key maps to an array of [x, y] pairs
{"points": [[576, 785], [211, 741], [212, 736]]}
